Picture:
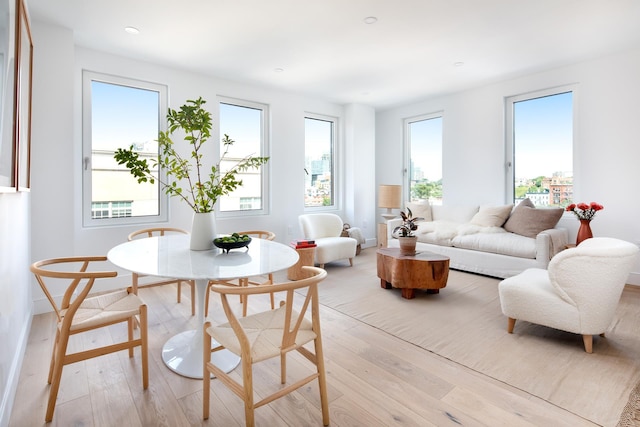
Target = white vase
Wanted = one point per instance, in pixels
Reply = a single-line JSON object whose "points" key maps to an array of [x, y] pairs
{"points": [[203, 231]]}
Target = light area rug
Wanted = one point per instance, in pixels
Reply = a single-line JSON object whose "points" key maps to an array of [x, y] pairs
{"points": [[464, 324]]}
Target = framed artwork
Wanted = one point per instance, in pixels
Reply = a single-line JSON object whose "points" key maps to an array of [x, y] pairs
{"points": [[8, 95], [24, 55]]}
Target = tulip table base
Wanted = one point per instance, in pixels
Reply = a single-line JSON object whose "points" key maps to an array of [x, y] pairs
{"points": [[183, 355]]}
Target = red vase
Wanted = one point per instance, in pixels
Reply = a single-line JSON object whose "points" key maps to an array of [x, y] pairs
{"points": [[584, 232]]}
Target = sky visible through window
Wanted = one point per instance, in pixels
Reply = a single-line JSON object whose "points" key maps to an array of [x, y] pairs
{"points": [[543, 136], [122, 116]]}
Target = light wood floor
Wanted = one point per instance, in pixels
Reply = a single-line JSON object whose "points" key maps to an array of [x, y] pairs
{"points": [[374, 379]]}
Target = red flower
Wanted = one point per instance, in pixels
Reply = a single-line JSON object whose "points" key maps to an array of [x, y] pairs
{"points": [[585, 211]]}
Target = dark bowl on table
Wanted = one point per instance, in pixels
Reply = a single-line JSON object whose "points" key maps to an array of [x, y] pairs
{"points": [[227, 246]]}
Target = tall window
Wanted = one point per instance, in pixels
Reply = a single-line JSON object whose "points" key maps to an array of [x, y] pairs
{"points": [[423, 142], [319, 161], [540, 147], [118, 113], [244, 122]]}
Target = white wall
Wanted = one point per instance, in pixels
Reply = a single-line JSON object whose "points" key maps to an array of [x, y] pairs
{"points": [[606, 147]]}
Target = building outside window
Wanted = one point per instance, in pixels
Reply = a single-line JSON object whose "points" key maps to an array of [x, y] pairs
{"points": [[245, 123], [540, 147], [319, 162], [117, 113], [423, 147]]}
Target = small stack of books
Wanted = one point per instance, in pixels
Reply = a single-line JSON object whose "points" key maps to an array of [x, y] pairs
{"points": [[298, 244]]}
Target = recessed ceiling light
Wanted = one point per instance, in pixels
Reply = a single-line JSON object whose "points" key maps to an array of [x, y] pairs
{"points": [[458, 64], [370, 20], [132, 30], [278, 70]]}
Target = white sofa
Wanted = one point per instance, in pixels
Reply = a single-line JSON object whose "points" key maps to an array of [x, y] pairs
{"points": [[481, 239]]}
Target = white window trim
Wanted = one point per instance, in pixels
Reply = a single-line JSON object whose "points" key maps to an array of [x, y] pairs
{"points": [[406, 136], [264, 147], [87, 220], [509, 101], [336, 158]]}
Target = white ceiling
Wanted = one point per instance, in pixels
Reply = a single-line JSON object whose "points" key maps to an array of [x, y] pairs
{"points": [[326, 50]]}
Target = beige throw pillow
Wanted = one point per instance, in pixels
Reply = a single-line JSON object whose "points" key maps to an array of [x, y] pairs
{"points": [[491, 216], [420, 210], [527, 220]]}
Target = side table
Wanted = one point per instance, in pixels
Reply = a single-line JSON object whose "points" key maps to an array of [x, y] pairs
{"points": [[306, 257], [382, 235]]}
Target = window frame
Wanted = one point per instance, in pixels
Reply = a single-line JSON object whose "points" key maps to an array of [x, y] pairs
{"points": [[406, 122], [335, 162], [264, 148], [87, 150], [510, 101]]}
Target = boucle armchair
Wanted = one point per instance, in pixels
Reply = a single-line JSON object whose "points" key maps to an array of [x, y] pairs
{"points": [[578, 293], [325, 229]]}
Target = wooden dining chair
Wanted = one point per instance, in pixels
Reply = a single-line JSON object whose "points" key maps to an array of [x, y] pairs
{"points": [[266, 335], [161, 231], [247, 281], [80, 312]]}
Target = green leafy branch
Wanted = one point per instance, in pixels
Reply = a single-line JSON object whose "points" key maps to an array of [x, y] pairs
{"points": [[187, 183]]}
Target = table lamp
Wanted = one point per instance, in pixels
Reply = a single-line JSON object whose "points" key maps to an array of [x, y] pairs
{"points": [[389, 197]]}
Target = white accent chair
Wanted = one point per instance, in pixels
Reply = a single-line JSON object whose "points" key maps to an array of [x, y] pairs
{"points": [[578, 293], [325, 229]]}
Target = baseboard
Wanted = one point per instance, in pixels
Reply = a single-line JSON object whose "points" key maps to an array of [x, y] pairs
{"points": [[14, 373], [634, 279], [370, 243]]}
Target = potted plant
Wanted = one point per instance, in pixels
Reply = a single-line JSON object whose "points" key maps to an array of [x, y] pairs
{"points": [[186, 177], [404, 233]]}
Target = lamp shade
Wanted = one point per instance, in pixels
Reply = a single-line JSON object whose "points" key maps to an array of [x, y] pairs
{"points": [[389, 196]]}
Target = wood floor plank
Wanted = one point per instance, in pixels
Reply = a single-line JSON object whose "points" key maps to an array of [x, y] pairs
{"points": [[374, 378]]}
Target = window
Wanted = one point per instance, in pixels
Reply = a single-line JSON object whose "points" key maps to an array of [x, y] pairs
{"points": [[540, 148], [423, 142], [118, 113], [245, 123], [319, 161]]}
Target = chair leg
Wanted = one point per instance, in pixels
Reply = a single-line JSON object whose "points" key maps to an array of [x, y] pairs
{"points": [[511, 325], [179, 291], [57, 374], [206, 377], [206, 301], [144, 346], [350, 262], [271, 294], [244, 299], [283, 368], [321, 265], [588, 343], [54, 354], [247, 386], [130, 322], [192, 284], [322, 380]]}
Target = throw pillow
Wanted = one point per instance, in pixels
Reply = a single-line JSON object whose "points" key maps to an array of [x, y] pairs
{"points": [[491, 216], [527, 220], [420, 210]]}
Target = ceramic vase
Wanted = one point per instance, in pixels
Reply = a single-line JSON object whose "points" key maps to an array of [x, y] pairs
{"points": [[408, 245], [584, 232], [203, 231]]}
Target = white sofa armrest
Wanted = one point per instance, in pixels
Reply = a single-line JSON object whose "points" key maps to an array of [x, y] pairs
{"points": [[550, 242]]}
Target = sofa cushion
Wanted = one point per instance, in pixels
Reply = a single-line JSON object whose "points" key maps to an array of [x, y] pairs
{"points": [[528, 221], [498, 243], [492, 216], [459, 214], [420, 210], [437, 232]]}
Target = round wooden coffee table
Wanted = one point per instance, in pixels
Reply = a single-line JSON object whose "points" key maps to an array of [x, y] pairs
{"points": [[422, 270]]}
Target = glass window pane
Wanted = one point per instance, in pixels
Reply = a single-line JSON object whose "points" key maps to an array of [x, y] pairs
{"points": [[244, 124], [118, 113], [425, 157], [543, 149], [319, 177]]}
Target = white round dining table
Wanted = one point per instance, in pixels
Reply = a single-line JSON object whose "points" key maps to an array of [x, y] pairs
{"points": [[170, 256]]}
